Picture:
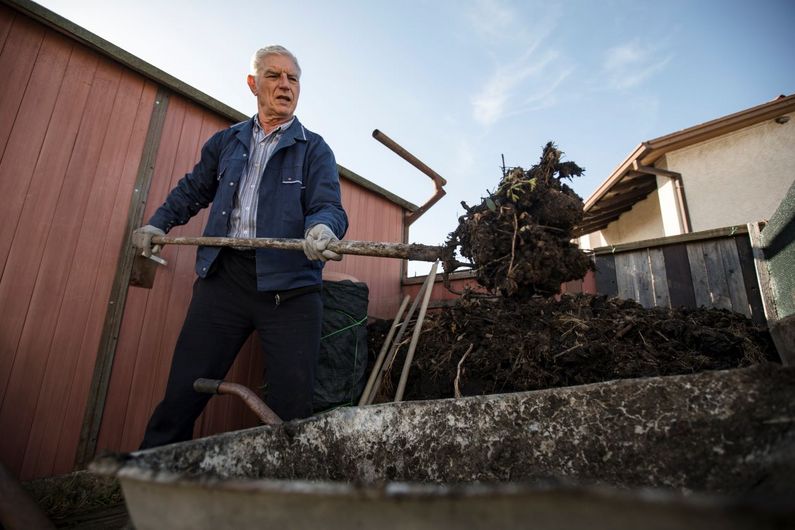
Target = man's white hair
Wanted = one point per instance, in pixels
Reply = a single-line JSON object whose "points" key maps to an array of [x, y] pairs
{"points": [[273, 49]]}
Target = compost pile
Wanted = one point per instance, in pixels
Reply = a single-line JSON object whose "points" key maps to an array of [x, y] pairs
{"points": [[486, 346], [520, 235], [518, 337]]}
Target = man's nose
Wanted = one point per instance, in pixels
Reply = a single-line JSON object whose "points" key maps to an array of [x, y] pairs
{"points": [[284, 81]]}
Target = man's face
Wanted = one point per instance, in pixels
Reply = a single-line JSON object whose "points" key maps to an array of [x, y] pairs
{"points": [[277, 88]]}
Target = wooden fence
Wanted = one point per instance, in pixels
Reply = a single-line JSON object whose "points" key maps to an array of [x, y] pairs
{"points": [[714, 268]]}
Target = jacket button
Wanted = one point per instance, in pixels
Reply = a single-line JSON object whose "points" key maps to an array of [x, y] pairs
{"points": [[231, 183], [223, 213]]}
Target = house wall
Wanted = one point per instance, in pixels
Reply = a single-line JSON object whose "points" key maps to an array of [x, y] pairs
{"points": [[734, 179], [643, 221], [737, 178], [84, 358]]}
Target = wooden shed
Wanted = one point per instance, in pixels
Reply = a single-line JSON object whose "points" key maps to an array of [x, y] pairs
{"points": [[91, 140]]}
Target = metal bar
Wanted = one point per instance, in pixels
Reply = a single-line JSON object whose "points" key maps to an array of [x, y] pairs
{"points": [[410, 251], [381, 354], [390, 357], [416, 336], [438, 181]]}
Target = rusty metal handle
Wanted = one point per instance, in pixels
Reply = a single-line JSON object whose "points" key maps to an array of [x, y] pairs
{"points": [[410, 251], [438, 181], [217, 386]]}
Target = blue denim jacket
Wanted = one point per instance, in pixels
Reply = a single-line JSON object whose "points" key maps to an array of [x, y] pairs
{"points": [[299, 189]]}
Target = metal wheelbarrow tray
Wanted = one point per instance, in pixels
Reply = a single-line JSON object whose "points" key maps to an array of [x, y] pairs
{"points": [[709, 450]]}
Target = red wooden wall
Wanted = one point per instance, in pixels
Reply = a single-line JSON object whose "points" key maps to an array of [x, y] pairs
{"points": [[373, 218], [74, 125]]}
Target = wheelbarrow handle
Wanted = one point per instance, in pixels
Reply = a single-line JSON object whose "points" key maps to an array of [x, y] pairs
{"points": [[218, 386]]}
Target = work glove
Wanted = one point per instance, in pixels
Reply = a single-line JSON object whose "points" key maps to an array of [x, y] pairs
{"points": [[316, 240], [142, 238]]}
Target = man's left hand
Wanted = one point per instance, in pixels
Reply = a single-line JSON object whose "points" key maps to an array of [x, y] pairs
{"points": [[316, 240]]}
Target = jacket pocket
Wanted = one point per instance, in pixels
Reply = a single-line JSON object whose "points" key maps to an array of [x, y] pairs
{"points": [[292, 176], [290, 193]]}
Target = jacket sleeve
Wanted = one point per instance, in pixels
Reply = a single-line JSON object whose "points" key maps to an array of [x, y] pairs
{"points": [[322, 201], [193, 192]]}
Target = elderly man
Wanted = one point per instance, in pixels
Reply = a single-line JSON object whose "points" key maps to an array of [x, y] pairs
{"points": [[265, 177]]}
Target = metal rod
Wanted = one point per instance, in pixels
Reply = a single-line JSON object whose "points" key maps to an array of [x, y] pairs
{"points": [[390, 358], [409, 251], [416, 336], [408, 157], [438, 181], [216, 386], [381, 354]]}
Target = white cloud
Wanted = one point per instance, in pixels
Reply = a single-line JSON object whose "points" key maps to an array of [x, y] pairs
{"points": [[630, 64], [517, 83], [492, 19], [527, 84]]}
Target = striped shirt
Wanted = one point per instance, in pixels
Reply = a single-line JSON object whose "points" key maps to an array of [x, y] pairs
{"points": [[243, 222]]}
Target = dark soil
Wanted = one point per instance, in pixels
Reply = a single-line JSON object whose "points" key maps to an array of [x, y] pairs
{"points": [[519, 236], [520, 337], [486, 346]]}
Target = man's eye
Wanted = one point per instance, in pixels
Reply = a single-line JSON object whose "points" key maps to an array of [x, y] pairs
{"points": [[293, 79]]}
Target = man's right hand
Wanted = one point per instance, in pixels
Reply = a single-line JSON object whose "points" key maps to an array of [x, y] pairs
{"points": [[142, 238]]}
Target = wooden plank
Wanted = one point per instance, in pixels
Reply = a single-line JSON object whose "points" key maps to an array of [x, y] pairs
{"points": [[678, 276], [733, 273], [101, 377], [746, 256], [20, 46], [25, 256], [659, 278], [642, 277], [716, 276], [625, 276], [58, 264], [698, 271], [728, 231], [27, 136], [606, 281], [102, 299], [7, 17], [133, 63], [90, 275], [122, 396]]}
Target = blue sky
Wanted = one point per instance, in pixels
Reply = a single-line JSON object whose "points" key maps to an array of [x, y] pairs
{"points": [[461, 83]]}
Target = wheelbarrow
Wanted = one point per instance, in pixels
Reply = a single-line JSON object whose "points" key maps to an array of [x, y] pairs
{"points": [[709, 450]]}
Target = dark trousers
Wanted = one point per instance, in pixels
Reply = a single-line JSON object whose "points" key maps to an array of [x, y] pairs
{"points": [[225, 309]]}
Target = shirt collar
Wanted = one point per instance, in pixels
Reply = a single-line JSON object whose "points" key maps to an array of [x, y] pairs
{"points": [[259, 132]]}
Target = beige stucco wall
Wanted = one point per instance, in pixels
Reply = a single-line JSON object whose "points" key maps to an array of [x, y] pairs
{"points": [[739, 177], [731, 180], [641, 222]]}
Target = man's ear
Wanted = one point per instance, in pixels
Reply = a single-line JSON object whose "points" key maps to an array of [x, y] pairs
{"points": [[252, 84]]}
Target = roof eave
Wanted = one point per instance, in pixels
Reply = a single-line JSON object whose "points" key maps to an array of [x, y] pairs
{"points": [[648, 152]]}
